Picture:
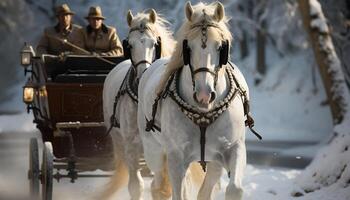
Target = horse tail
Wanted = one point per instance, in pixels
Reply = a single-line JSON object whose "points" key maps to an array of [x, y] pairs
{"points": [[196, 173], [119, 178]]}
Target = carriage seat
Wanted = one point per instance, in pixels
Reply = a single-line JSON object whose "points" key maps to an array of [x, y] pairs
{"points": [[79, 68]]}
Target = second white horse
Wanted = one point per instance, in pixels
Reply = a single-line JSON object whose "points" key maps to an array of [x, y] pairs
{"points": [[147, 33]]}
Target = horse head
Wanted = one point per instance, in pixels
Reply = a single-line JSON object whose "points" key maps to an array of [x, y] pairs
{"points": [[144, 42], [205, 48]]}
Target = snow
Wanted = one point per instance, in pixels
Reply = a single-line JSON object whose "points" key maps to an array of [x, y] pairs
{"points": [[259, 182], [320, 24], [337, 153], [330, 170], [329, 173], [285, 105], [318, 19]]}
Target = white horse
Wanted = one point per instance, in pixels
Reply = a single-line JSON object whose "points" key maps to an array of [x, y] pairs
{"points": [[201, 115], [148, 39]]}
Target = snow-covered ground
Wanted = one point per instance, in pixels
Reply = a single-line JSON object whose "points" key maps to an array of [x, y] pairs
{"points": [[259, 183]]}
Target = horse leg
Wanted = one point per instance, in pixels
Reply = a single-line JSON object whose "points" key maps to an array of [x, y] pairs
{"points": [[177, 172], [157, 162], [236, 166], [214, 171], [161, 187], [132, 156]]}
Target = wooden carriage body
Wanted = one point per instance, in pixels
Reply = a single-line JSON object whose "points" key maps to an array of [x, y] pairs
{"points": [[68, 110]]}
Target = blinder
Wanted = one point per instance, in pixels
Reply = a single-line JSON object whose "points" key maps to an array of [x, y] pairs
{"points": [[224, 50], [223, 59], [127, 48]]}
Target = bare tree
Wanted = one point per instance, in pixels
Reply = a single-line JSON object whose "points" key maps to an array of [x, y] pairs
{"points": [[326, 57], [338, 16], [260, 17], [243, 40]]}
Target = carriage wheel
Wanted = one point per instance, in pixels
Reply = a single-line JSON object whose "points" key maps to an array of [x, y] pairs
{"points": [[47, 172], [34, 173]]}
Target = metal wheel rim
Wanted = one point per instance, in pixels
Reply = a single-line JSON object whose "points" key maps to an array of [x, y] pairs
{"points": [[34, 172]]}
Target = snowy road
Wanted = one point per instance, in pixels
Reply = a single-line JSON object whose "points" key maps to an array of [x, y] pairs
{"points": [[259, 183]]}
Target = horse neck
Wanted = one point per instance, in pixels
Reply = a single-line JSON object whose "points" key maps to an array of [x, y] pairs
{"points": [[186, 87]]}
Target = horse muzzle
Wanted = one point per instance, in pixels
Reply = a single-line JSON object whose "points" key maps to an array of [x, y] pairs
{"points": [[204, 98]]}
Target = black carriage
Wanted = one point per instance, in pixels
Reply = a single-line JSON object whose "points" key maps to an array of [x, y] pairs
{"points": [[64, 94]]}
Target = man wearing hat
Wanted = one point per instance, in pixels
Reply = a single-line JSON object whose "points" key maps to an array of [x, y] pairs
{"points": [[53, 40], [99, 38]]}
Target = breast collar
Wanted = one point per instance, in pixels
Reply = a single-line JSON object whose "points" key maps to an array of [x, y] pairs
{"points": [[197, 116]]}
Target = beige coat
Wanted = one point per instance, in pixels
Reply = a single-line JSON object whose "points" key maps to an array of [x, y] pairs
{"points": [[51, 40], [105, 41]]}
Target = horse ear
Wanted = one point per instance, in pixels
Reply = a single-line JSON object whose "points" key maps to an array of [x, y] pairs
{"points": [[153, 16], [219, 12], [188, 10], [129, 17]]}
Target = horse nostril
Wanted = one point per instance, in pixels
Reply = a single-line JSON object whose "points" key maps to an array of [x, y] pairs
{"points": [[212, 96]]}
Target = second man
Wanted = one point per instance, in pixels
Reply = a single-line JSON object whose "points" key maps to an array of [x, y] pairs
{"points": [[99, 38]]}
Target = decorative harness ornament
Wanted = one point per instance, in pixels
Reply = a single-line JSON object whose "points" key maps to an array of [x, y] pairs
{"points": [[200, 118]]}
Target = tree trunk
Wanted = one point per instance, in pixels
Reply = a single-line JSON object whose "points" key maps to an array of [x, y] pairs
{"points": [[260, 54], [244, 45], [326, 57]]}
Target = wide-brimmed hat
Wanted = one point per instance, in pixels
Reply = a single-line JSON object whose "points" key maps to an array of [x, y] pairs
{"points": [[95, 12], [63, 10]]}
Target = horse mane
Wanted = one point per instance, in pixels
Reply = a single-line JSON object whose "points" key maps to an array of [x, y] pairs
{"points": [[160, 28], [186, 31]]}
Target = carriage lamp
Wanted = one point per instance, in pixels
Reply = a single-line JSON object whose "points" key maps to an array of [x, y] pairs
{"points": [[27, 53], [28, 94]]}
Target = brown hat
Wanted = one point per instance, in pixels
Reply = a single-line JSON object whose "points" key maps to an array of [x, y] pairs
{"points": [[95, 12], [63, 10]]}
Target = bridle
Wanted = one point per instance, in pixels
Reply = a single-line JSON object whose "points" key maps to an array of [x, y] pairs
{"points": [[127, 85], [127, 47], [186, 51]]}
